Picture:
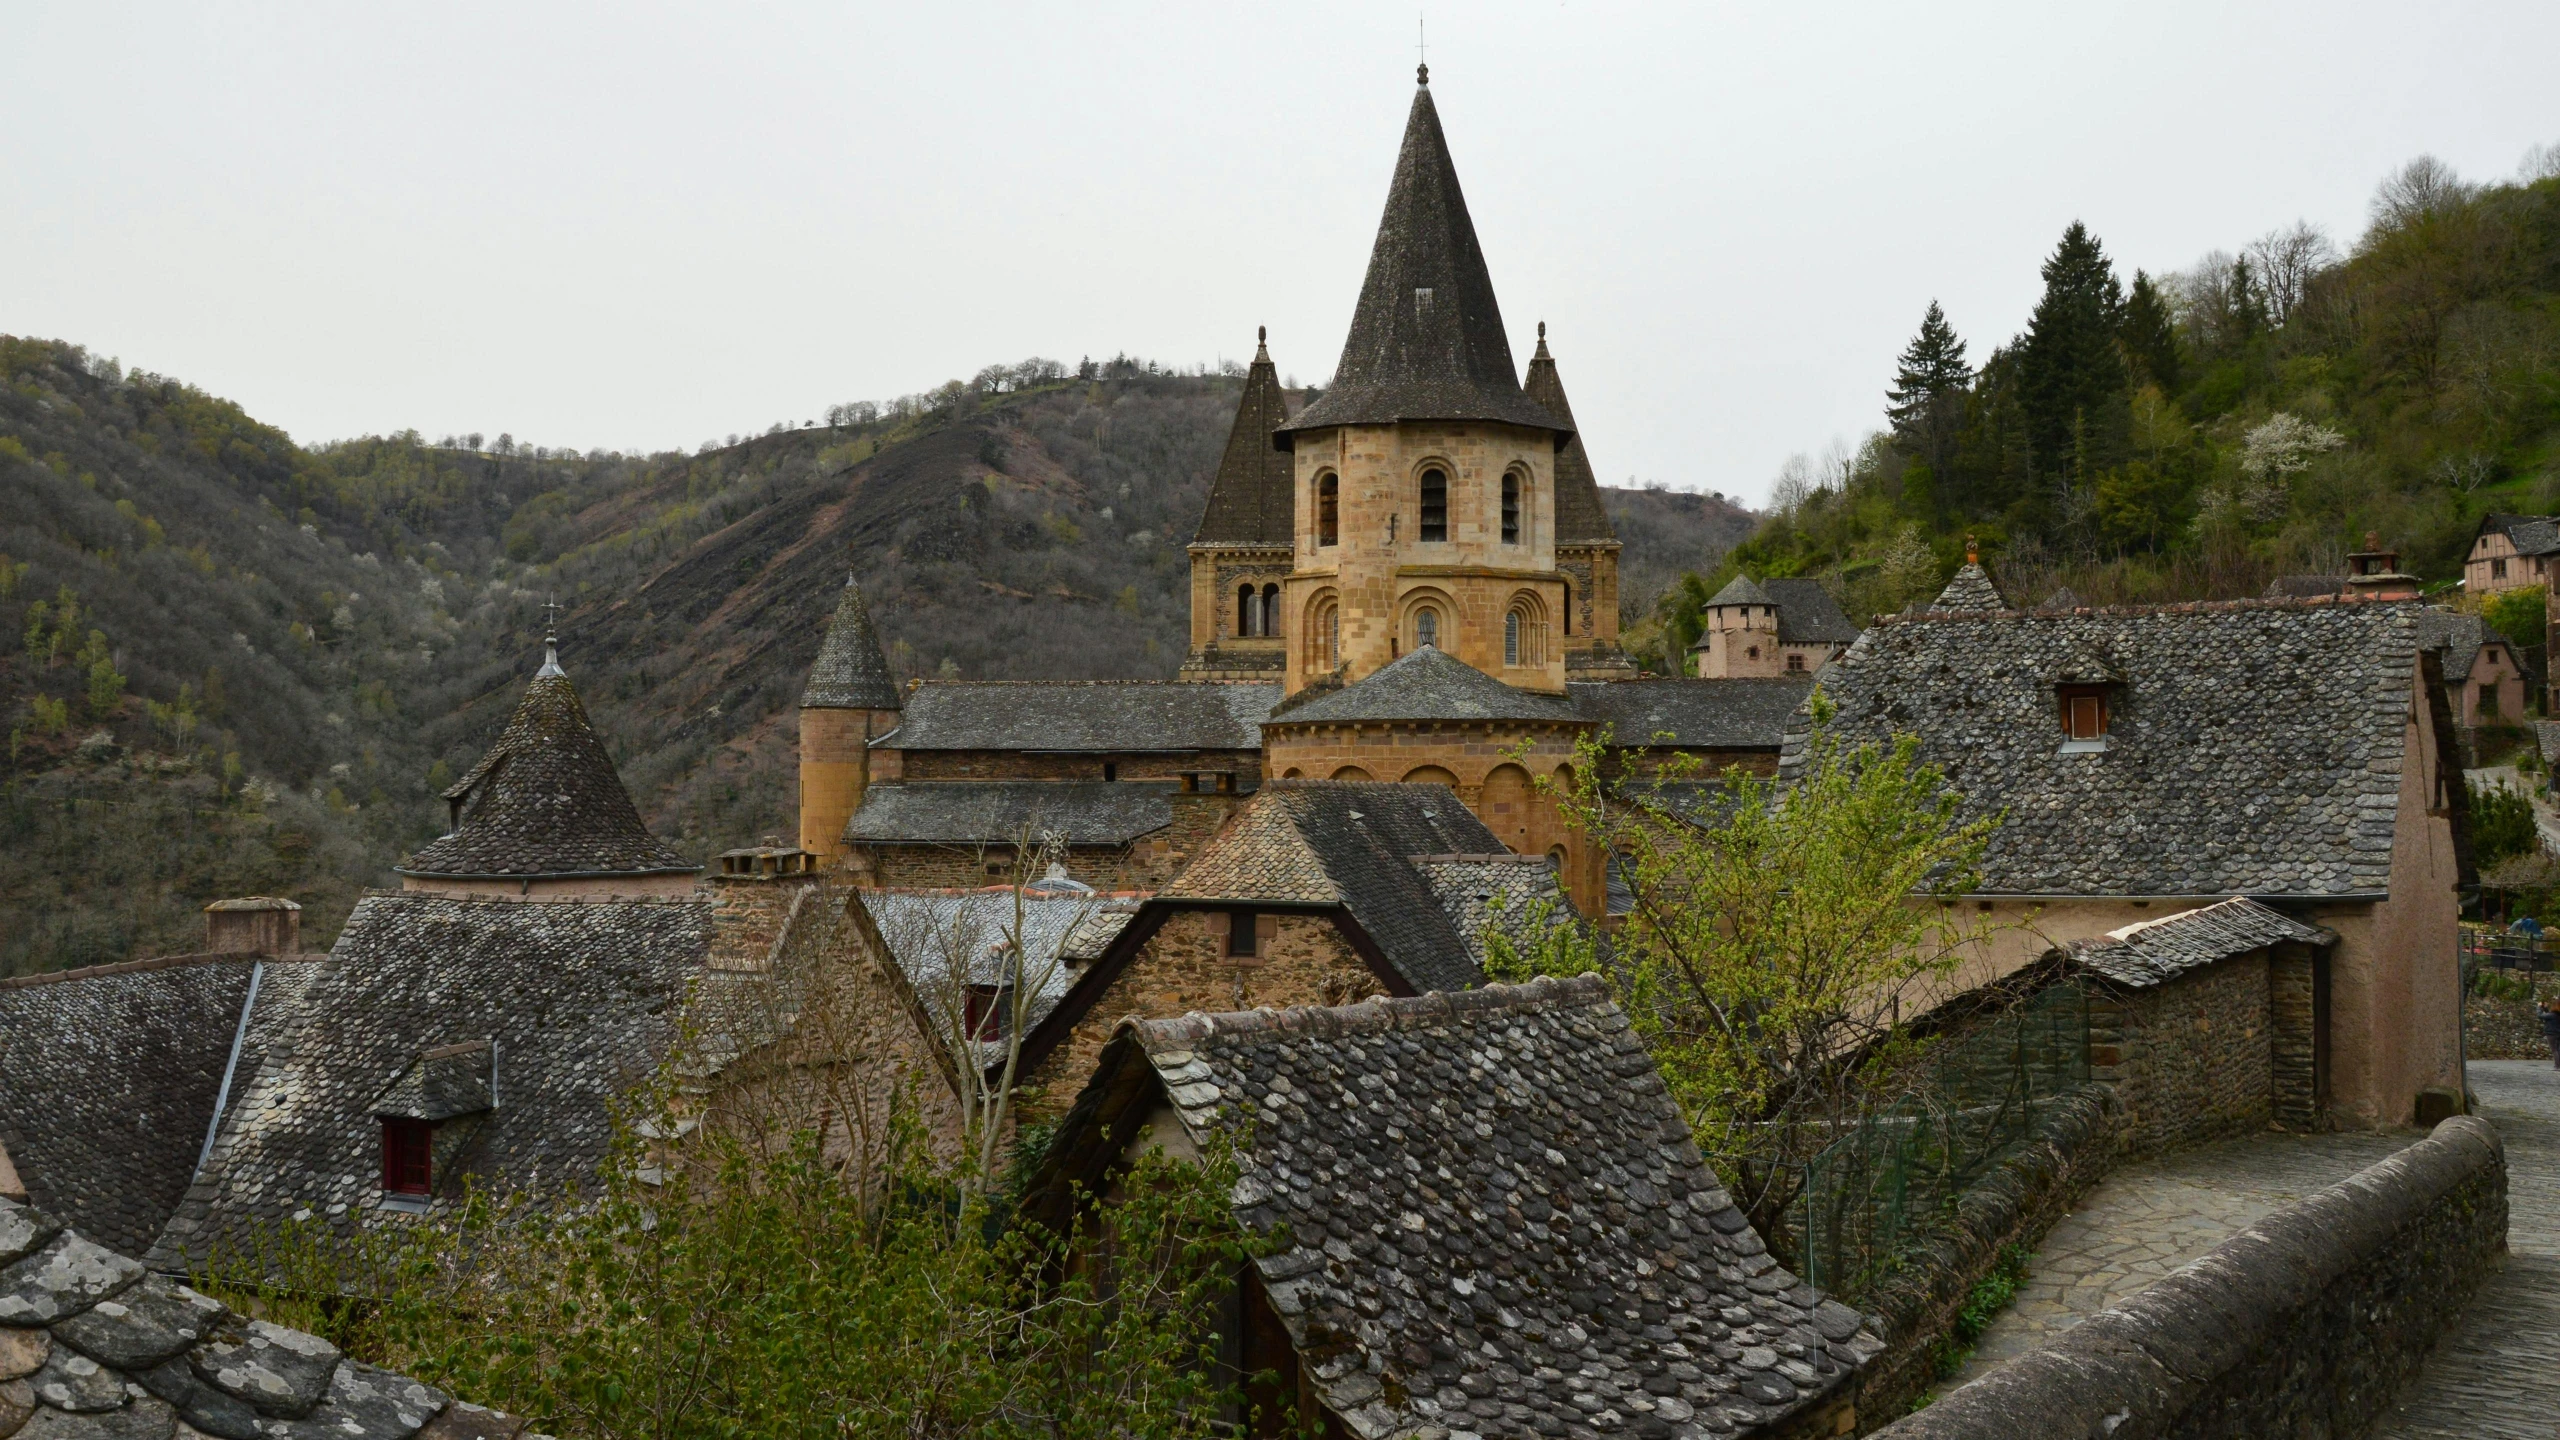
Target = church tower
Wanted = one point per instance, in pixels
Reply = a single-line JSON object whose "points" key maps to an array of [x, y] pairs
{"points": [[1586, 543], [1425, 481], [1241, 553], [851, 700]]}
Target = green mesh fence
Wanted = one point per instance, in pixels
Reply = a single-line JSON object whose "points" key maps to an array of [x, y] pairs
{"points": [[1872, 1193]]}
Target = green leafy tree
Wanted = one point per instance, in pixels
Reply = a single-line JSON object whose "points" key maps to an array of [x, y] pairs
{"points": [[2072, 380], [2517, 614], [1930, 382], [2501, 823]]}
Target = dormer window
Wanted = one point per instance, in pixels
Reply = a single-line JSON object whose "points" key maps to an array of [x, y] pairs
{"points": [[408, 1156], [2084, 715]]}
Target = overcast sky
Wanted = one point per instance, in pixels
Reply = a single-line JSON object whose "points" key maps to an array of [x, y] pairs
{"points": [[631, 226]]}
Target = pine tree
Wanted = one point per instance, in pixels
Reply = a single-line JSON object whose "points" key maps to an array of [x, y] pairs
{"points": [[2151, 334], [1929, 385], [2072, 380]]}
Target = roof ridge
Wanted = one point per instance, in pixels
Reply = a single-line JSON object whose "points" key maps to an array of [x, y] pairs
{"points": [[2168, 607], [1379, 1012], [149, 963]]}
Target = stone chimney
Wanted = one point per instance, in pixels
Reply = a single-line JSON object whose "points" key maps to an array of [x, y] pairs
{"points": [[253, 925], [2374, 573]]}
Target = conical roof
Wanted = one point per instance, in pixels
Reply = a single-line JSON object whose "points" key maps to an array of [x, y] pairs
{"points": [[1252, 500], [1426, 342], [1580, 517], [850, 673], [1741, 590], [1970, 590], [545, 801]]}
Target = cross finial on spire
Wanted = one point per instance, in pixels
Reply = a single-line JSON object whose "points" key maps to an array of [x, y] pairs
{"points": [[1421, 55], [551, 638], [1261, 343]]}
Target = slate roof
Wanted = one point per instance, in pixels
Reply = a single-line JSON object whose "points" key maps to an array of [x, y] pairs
{"points": [[2456, 637], [1479, 1195], [2153, 952], [1971, 589], [1696, 714], [108, 1079], [1741, 590], [578, 999], [1082, 716], [445, 1082], [851, 673], [1426, 340], [2254, 746], [925, 931], [1425, 683], [1807, 615], [545, 800], [968, 812], [1352, 844], [1581, 519], [1253, 497], [93, 1348], [2531, 534], [1496, 892]]}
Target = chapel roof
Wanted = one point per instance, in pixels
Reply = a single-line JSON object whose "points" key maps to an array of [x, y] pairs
{"points": [[545, 800], [2153, 952], [1425, 683], [968, 812], [1694, 714], [1082, 716], [1445, 1161], [2254, 747], [1426, 340], [1253, 496], [1580, 517], [851, 673]]}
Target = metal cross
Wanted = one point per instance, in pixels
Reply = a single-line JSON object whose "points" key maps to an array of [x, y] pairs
{"points": [[1421, 56], [551, 627]]}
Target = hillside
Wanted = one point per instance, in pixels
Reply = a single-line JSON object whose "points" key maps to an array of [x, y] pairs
{"points": [[295, 647]]}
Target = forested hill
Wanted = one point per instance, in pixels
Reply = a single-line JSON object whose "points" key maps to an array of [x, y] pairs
{"points": [[289, 649], [2193, 434]]}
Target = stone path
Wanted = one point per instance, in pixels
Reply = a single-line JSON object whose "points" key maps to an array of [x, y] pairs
{"points": [[2496, 1373]]}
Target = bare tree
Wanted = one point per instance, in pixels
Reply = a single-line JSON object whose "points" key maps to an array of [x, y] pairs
{"points": [[2541, 162], [2420, 190], [2285, 262]]}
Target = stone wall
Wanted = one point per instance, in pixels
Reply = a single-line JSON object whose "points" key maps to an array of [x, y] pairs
{"points": [[2293, 1099], [2306, 1323], [2193, 1058]]}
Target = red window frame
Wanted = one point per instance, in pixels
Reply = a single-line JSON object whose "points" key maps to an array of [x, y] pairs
{"points": [[982, 1012], [408, 1156]]}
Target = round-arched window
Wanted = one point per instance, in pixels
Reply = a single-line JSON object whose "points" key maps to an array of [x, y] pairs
{"points": [[1435, 505], [1329, 510], [1511, 638]]}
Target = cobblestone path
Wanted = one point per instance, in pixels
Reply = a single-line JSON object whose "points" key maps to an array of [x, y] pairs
{"points": [[2496, 1373]]}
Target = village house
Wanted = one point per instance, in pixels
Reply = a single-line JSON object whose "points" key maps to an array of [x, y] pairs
{"points": [[2511, 551], [2482, 670], [2147, 760], [1757, 629]]}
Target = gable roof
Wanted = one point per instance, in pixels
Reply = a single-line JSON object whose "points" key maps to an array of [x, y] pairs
{"points": [[1475, 1188], [1352, 844], [1807, 614], [1425, 683], [109, 1077], [2531, 534], [1580, 517], [1696, 714], [1253, 497], [545, 800], [1082, 716], [2457, 638], [969, 812], [850, 673], [1426, 340], [2254, 747], [2152, 952], [1971, 589], [577, 1000]]}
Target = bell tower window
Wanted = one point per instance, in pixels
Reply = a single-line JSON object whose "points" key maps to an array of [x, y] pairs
{"points": [[1510, 509], [1271, 610], [1329, 510], [1511, 638], [1435, 506], [1248, 611]]}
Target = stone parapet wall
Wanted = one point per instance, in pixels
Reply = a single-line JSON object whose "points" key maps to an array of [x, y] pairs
{"points": [[2306, 1323]]}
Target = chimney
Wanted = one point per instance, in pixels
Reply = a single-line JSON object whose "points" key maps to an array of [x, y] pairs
{"points": [[253, 925]]}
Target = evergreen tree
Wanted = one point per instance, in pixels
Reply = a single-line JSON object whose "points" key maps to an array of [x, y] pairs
{"points": [[2072, 380], [2151, 334], [1930, 382]]}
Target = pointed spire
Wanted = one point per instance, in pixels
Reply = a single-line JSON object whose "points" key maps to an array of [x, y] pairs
{"points": [[1426, 342], [1579, 514], [1252, 499], [1971, 589], [851, 673], [545, 801]]}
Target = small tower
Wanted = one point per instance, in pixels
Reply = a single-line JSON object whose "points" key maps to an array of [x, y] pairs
{"points": [[1241, 552], [1741, 637], [851, 700], [1586, 543]]}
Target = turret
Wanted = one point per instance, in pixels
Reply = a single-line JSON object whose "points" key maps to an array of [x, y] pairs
{"points": [[1740, 639], [850, 701]]}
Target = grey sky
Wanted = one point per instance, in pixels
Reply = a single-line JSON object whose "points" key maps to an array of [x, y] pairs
{"points": [[635, 226]]}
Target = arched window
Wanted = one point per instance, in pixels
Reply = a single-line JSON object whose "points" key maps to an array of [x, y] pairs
{"points": [[1324, 634], [1426, 627], [1511, 638], [1333, 637], [1248, 611], [1329, 510], [1435, 505], [1510, 509], [1271, 611], [1568, 607]]}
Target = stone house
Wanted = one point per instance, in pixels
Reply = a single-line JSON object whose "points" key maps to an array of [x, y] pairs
{"points": [[2147, 760], [2511, 551], [2482, 670], [1491, 1220], [1757, 629]]}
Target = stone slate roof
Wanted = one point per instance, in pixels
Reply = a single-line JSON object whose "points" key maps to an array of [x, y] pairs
{"points": [[2153, 952], [577, 998], [2531, 534], [1253, 497], [445, 1083], [1478, 1196], [93, 1348], [925, 931], [1352, 844], [1082, 716], [1971, 589], [1426, 340], [545, 800], [1496, 892], [2254, 746], [968, 812], [2457, 638], [1807, 615], [108, 1079], [1697, 714], [1741, 590], [851, 673], [1425, 683], [1580, 517]]}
